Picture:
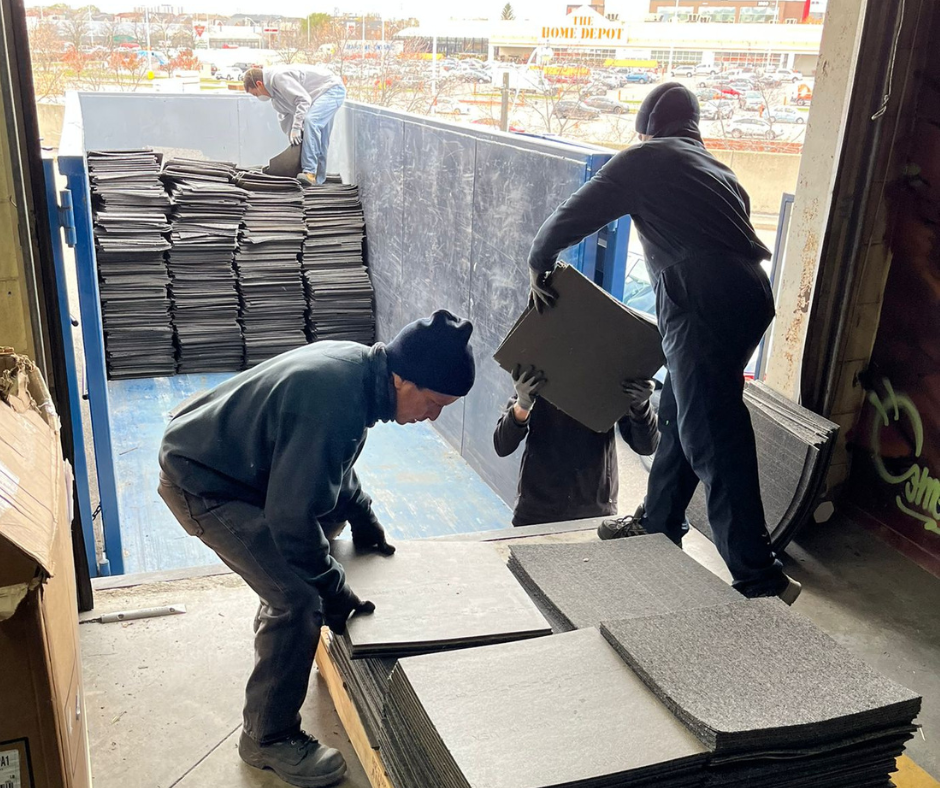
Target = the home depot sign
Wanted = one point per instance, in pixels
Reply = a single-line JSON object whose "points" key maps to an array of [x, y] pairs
{"points": [[582, 28]]}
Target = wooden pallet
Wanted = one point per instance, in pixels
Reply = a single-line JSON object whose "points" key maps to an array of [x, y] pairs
{"points": [[909, 774], [369, 758]]}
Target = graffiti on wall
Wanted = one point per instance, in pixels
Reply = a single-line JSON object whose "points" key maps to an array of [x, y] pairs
{"points": [[919, 496]]}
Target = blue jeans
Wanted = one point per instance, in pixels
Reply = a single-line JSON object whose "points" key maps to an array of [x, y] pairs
{"points": [[318, 125]]}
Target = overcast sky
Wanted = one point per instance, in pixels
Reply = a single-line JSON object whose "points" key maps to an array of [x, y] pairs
{"points": [[422, 9]]}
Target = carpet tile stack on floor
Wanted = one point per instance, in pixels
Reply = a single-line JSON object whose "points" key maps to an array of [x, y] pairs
{"points": [[207, 212], [130, 207], [267, 264], [777, 702], [580, 585], [431, 597], [556, 711], [794, 447], [339, 292]]}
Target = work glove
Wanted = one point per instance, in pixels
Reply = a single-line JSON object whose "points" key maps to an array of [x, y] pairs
{"points": [[340, 606], [296, 136], [370, 537], [541, 295], [639, 392], [528, 382]]}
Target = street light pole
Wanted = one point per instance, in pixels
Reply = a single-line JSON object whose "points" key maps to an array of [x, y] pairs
{"points": [[672, 40]]}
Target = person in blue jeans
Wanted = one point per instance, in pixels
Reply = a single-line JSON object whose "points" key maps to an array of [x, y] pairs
{"points": [[307, 99]]}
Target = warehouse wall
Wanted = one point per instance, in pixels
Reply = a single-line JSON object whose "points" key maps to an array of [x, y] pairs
{"points": [[450, 214]]}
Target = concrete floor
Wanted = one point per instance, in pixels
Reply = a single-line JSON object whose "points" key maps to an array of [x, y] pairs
{"points": [[164, 695]]}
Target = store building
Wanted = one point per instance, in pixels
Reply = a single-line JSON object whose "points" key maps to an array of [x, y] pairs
{"points": [[585, 36]]}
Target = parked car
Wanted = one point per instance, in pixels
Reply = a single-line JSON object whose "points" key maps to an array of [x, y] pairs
{"points": [[788, 75], [473, 75], [449, 106], [594, 89], [229, 73], [753, 100], [751, 127], [683, 71], [785, 115], [741, 85], [724, 88], [606, 105], [576, 110], [641, 77], [707, 94], [713, 110], [704, 69]]}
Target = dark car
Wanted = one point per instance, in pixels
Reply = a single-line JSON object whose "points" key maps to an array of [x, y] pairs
{"points": [[576, 110], [607, 105]]}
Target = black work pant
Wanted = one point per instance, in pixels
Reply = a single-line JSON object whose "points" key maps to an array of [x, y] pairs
{"points": [[287, 626], [712, 314]]}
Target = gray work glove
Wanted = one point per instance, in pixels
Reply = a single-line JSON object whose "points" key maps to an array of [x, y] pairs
{"points": [[528, 382], [639, 392], [369, 537], [541, 294], [296, 136], [340, 606]]}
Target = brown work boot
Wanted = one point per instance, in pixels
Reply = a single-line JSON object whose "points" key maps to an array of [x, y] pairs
{"points": [[298, 760]]}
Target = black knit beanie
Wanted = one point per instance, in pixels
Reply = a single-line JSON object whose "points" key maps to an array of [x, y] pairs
{"points": [[435, 353], [666, 109]]}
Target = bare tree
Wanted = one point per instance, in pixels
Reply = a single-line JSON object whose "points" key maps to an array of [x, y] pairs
{"points": [[291, 44], [49, 73], [75, 30]]}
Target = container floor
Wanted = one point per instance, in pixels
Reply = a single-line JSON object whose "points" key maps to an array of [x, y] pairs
{"points": [[420, 486]]}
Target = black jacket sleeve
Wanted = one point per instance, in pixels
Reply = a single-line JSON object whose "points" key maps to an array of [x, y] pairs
{"points": [[604, 198], [641, 431], [509, 432], [354, 505]]}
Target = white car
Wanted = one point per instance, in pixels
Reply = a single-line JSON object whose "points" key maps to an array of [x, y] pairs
{"points": [[703, 69], [785, 75], [751, 127], [786, 115], [448, 106], [230, 74], [683, 71]]}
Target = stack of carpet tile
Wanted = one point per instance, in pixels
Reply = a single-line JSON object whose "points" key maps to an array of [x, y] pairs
{"points": [[340, 303], [267, 263], [777, 702], [582, 584], [794, 447], [432, 597], [557, 711], [130, 207], [207, 212]]}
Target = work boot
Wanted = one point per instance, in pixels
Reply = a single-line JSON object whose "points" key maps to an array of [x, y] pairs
{"points": [[307, 179], [790, 591], [621, 527], [298, 760]]}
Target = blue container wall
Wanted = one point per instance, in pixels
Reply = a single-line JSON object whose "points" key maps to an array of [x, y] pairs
{"points": [[450, 215]]}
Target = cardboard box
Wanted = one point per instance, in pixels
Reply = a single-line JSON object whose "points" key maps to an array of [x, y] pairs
{"points": [[43, 741]]}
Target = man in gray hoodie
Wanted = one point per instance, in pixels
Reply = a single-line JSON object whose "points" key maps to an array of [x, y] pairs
{"points": [[260, 466], [306, 99]]}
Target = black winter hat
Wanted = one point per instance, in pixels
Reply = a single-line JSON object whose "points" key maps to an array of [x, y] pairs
{"points": [[435, 353], [666, 109]]}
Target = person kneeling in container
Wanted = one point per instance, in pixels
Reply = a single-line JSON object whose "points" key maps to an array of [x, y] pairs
{"points": [[258, 465], [568, 471], [306, 99]]}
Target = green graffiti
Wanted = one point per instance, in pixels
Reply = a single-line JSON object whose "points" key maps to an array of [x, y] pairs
{"points": [[920, 495]]}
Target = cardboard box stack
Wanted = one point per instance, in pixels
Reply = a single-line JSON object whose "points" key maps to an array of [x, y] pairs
{"points": [[43, 741]]}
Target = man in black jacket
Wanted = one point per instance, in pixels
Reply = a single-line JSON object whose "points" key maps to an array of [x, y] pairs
{"points": [[568, 471], [713, 305], [260, 469]]}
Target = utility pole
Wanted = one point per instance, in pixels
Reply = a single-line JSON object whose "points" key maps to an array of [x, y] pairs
{"points": [[504, 104], [672, 40]]}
